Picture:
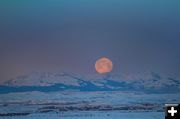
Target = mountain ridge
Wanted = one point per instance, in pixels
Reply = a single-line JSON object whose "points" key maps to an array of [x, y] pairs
{"points": [[49, 82]]}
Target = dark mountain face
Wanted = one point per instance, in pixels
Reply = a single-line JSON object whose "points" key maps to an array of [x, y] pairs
{"points": [[49, 82]]}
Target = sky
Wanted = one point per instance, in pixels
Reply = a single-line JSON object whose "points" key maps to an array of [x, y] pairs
{"points": [[139, 36]]}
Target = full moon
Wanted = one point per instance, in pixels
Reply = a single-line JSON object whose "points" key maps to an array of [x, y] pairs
{"points": [[103, 65]]}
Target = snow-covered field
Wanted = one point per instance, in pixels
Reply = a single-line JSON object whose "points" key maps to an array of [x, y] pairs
{"points": [[107, 97], [93, 115], [98, 97], [84, 105]]}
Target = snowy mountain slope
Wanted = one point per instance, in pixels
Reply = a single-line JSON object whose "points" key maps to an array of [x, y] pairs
{"points": [[47, 82], [42, 79]]}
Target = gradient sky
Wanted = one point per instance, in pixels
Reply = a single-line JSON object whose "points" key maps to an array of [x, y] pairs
{"points": [[139, 36]]}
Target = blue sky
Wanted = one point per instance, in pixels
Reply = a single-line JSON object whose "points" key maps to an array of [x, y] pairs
{"points": [[70, 35]]}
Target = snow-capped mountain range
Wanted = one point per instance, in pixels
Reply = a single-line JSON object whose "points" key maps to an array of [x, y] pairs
{"points": [[47, 82]]}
